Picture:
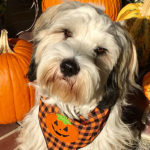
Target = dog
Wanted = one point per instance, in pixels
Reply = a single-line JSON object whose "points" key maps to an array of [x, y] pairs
{"points": [[83, 64]]}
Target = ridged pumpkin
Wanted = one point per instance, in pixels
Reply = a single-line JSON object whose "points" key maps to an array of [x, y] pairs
{"points": [[112, 7], [16, 96], [146, 85], [137, 20]]}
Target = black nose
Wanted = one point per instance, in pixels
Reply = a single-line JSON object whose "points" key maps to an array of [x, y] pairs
{"points": [[69, 67]]}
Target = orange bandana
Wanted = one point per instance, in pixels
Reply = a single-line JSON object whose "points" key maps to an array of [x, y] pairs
{"points": [[62, 133]]}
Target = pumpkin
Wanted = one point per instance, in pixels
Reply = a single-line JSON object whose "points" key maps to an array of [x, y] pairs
{"points": [[112, 7], [16, 96], [59, 126], [146, 85], [137, 21]]}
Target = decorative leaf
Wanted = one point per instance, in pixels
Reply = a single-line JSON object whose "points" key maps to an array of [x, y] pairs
{"points": [[64, 119]]}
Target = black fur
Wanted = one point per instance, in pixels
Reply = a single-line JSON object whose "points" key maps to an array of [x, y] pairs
{"points": [[33, 66], [32, 70], [132, 114], [112, 91]]}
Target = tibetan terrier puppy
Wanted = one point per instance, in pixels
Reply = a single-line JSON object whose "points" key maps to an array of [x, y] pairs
{"points": [[83, 67]]}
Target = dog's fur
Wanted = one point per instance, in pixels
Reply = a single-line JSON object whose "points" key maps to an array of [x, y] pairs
{"points": [[79, 32]]}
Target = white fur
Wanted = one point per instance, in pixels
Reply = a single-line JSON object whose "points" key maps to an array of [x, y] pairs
{"points": [[80, 94]]}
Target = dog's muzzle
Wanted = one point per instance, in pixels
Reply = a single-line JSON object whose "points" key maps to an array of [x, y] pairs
{"points": [[69, 67]]}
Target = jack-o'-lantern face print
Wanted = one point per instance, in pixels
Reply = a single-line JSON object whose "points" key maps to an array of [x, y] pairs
{"points": [[60, 127]]}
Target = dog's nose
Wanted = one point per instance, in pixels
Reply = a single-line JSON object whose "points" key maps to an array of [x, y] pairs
{"points": [[69, 67]]}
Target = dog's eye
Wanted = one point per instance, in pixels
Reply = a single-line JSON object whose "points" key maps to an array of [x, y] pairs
{"points": [[100, 50], [67, 33]]}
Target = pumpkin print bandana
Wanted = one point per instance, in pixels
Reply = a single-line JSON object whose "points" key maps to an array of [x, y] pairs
{"points": [[62, 133]]}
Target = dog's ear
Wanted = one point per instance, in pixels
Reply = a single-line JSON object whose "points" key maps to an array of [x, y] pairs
{"points": [[122, 77], [32, 70], [127, 62], [111, 91]]}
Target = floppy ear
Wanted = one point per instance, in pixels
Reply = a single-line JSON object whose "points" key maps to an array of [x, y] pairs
{"points": [[122, 77], [32, 70], [128, 64]]}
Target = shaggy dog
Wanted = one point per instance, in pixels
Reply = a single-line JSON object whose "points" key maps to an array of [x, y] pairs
{"points": [[82, 62]]}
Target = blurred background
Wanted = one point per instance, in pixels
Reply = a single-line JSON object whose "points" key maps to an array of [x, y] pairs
{"points": [[19, 15]]}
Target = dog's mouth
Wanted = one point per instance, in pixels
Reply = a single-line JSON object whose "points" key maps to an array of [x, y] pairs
{"points": [[59, 133], [66, 88], [70, 82]]}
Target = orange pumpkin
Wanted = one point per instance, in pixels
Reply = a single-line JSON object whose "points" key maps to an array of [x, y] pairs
{"points": [[61, 128], [16, 96], [146, 85], [112, 7]]}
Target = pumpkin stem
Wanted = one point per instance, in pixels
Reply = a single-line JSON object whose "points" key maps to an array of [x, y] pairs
{"points": [[64, 119], [4, 45], [145, 9]]}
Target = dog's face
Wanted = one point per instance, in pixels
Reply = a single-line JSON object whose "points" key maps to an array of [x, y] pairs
{"points": [[80, 54]]}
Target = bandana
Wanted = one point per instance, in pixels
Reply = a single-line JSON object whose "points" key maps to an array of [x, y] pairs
{"points": [[62, 133]]}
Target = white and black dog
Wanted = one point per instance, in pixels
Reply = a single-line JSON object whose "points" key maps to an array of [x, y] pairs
{"points": [[82, 62]]}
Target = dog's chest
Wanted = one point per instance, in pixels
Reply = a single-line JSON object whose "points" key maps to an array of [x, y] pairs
{"points": [[63, 133]]}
